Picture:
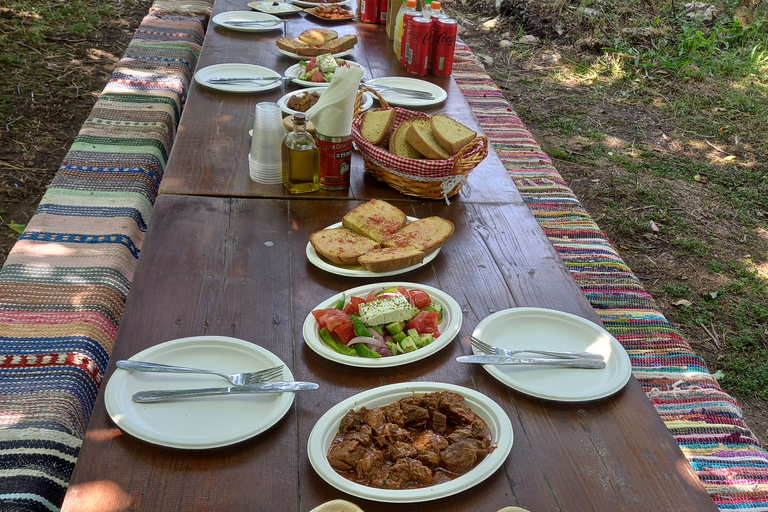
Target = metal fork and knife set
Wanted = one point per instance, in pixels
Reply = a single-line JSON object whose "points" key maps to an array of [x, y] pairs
{"points": [[260, 381]]}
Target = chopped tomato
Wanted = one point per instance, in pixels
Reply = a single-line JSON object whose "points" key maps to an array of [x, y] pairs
{"points": [[425, 322], [317, 76], [402, 291], [420, 298], [353, 307], [337, 322], [371, 297], [344, 332]]}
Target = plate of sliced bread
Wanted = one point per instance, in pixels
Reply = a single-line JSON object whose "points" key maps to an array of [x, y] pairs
{"points": [[378, 239], [315, 42]]}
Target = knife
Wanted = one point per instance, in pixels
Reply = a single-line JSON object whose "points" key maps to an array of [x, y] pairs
{"points": [[253, 22], [159, 395], [532, 361], [246, 79]]}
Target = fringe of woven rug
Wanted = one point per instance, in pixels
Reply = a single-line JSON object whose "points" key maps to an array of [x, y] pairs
{"points": [[705, 421]]}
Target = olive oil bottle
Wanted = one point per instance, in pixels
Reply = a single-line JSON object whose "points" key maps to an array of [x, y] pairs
{"points": [[300, 158]]}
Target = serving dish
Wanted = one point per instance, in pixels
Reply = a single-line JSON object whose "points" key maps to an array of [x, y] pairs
{"points": [[306, 3], [326, 427], [275, 8], [201, 423], [547, 329], [231, 20], [233, 70], [448, 328], [283, 102], [297, 70], [317, 13]]}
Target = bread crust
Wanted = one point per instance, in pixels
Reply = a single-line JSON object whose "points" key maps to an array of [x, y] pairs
{"points": [[399, 145], [427, 235], [375, 219], [341, 246], [420, 136], [318, 36], [390, 258], [451, 142], [377, 134]]}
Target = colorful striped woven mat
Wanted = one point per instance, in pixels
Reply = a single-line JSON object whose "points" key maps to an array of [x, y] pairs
{"points": [[704, 420]]}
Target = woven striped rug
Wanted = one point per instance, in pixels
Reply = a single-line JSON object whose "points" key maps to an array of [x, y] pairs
{"points": [[704, 420]]}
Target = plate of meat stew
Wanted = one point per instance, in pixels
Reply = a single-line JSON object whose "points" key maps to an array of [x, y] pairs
{"points": [[419, 463]]}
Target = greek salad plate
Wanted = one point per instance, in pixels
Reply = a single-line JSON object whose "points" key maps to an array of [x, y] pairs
{"points": [[327, 426], [448, 327], [297, 70], [304, 57], [358, 270], [548, 329], [241, 21], [199, 423]]}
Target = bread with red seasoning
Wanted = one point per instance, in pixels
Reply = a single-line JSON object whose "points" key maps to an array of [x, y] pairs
{"points": [[390, 258], [341, 246], [375, 219], [426, 235]]}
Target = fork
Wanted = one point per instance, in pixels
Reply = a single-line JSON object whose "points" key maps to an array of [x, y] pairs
{"points": [[237, 379], [497, 351], [426, 95], [245, 79]]}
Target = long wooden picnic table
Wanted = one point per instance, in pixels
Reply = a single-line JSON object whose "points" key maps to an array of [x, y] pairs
{"points": [[226, 256]]}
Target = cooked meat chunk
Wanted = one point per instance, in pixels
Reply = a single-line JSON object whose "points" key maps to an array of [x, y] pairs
{"points": [[344, 456], [352, 420], [438, 422], [395, 414], [405, 471], [364, 435], [429, 446], [452, 405], [375, 418], [415, 416], [401, 450], [371, 467], [390, 433], [459, 457]]}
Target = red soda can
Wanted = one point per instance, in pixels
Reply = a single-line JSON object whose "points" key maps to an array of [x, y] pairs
{"points": [[407, 18], [436, 16], [419, 46], [369, 11], [383, 8], [442, 47]]}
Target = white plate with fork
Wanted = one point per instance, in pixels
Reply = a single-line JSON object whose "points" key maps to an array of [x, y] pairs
{"points": [[199, 423], [248, 21], [547, 329], [404, 100], [234, 70]]}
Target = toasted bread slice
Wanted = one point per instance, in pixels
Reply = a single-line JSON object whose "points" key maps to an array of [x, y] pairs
{"points": [[390, 258], [399, 145], [290, 45], [451, 134], [377, 124], [419, 135], [375, 219], [341, 246], [334, 46], [426, 235], [318, 36]]}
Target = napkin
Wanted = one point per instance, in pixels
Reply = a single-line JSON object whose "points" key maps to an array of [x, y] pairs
{"points": [[332, 114]]}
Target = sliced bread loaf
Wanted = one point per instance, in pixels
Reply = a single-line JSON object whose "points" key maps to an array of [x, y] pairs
{"points": [[427, 235], [390, 258], [377, 124], [399, 145], [375, 219], [420, 136], [341, 246], [451, 134]]}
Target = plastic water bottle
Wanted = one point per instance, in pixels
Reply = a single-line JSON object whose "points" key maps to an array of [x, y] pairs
{"points": [[409, 14]]}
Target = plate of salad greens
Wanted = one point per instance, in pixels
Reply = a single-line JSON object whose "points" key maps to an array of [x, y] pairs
{"points": [[382, 325], [318, 71]]}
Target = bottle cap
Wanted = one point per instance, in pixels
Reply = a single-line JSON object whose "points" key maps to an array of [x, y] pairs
{"points": [[410, 3], [435, 4]]}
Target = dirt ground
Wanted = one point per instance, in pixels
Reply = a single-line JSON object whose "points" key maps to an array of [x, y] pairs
{"points": [[28, 160]]}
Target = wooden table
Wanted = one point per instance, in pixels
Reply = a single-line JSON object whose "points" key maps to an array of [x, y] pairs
{"points": [[227, 257]]}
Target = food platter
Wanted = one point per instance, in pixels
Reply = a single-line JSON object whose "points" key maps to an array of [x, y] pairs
{"points": [[448, 328], [326, 427], [305, 3], [201, 423], [403, 100], [296, 70], [232, 70], [358, 270], [349, 16], [304, 57], [283, 102], [548, 329], [230, 19], [275, 8]]}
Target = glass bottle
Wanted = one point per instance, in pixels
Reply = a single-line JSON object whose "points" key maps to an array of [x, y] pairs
{"points": [[300, 158]]}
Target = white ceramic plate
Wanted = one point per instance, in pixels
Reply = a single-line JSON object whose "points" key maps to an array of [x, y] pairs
{"points": [[348, 17], [448, 328], [548, 329], [326, 427], [197, 423], [282, 102], [296, 70], [237, 71], [304, 3], [358, 270], [221, 19], [281, 9], [403, 100], [304, 57]]}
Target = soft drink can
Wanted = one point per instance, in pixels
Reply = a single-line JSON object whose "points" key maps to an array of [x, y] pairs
{"points": [[436, 16], [335, 161], [383, 9], [443, 46], [369, 11], [407, 18], [419, 46]]}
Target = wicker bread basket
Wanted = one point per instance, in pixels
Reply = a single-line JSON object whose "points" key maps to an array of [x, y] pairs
{"points": [[428, 179]]}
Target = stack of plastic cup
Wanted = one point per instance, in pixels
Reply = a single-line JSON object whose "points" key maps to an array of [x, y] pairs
{"points": [[265, 158]]}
